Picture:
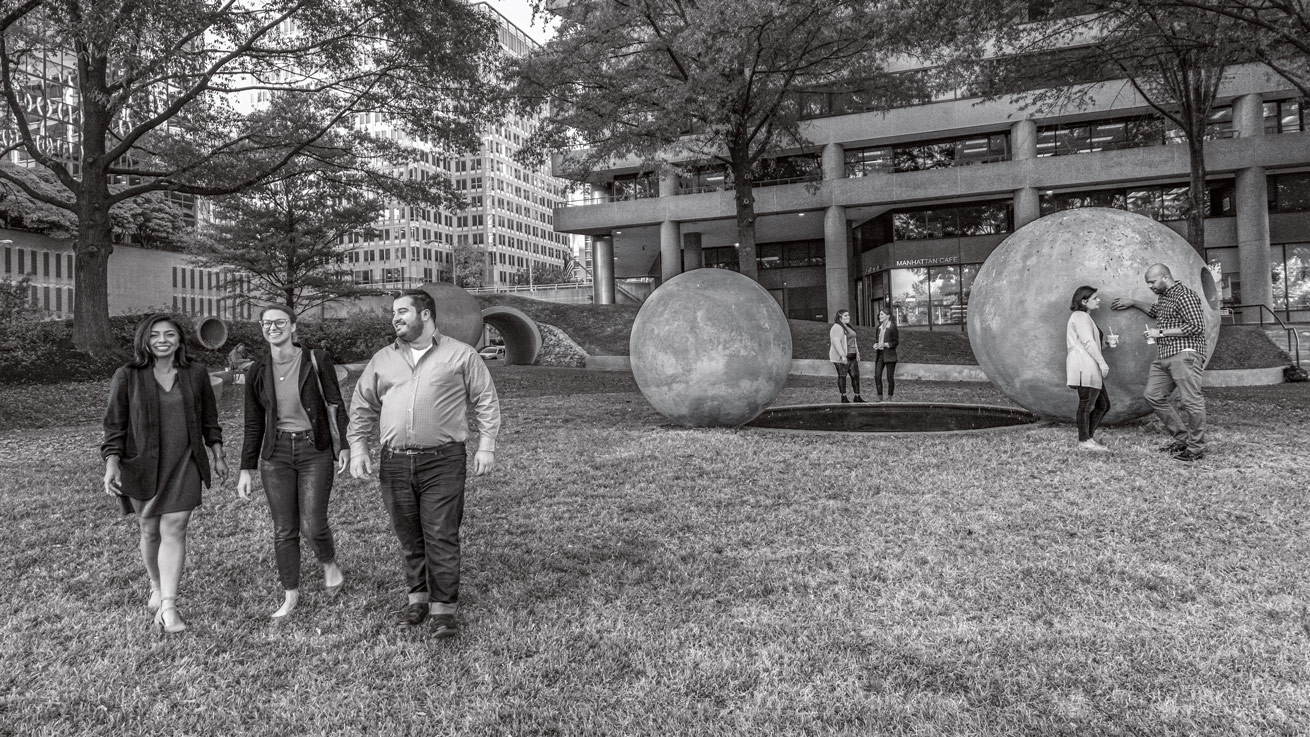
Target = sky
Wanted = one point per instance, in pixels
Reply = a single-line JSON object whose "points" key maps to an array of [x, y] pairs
{"points": [[519, 12]]}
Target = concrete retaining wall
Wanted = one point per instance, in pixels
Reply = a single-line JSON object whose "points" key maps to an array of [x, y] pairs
{"points": [[949, 372]]}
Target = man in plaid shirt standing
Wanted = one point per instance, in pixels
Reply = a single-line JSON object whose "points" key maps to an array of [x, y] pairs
{"points": [[1180, 336]]}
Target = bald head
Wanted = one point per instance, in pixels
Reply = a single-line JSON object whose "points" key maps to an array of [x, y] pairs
{"points": [[1159, 278]]}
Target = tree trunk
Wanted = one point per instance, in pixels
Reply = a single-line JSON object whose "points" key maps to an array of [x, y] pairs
{"points": [[744, 197], [1196, 193], [91, 330]]}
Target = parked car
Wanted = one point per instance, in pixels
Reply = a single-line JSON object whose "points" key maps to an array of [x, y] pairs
{"points": [[492, 352]]}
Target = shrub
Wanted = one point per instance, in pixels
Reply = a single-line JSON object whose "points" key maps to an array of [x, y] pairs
{"points": [[42, 352]]}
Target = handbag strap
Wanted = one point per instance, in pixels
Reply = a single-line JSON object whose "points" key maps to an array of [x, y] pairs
{"points": [[318, 379]]}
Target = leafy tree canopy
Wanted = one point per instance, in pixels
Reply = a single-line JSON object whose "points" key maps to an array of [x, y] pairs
{"points": [[120, 99], [664, 83]]}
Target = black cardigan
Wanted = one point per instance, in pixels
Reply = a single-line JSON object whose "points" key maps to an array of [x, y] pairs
{"points": [[132, 424], [261, 406]]}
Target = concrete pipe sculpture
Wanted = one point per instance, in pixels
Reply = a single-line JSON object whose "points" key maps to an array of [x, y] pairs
{"points": [[521, 334], [210, 332], [458, 314]]}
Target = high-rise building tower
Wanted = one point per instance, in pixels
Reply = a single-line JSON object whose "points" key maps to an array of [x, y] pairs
{"points": [[509, 214]]}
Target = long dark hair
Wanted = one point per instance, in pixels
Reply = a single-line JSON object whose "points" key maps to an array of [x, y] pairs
{"points": [[141, 354], [836, 320], [1080, 295]]}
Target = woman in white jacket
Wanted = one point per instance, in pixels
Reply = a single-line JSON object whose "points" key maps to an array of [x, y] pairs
{"points": [[1085, 367], [844, 352]]}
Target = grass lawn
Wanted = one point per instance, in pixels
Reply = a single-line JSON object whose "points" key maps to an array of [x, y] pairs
{"points": [[626, 577]]}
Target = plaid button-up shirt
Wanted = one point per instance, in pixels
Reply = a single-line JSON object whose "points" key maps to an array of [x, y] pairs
{"points": [[1179, 308]]}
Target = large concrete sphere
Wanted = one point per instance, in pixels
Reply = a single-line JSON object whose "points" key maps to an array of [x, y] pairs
{"points": [[458, 314], [1019, 306], [710, 348]]}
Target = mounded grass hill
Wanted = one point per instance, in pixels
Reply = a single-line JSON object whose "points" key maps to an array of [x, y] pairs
{"points": [[603, 330]]}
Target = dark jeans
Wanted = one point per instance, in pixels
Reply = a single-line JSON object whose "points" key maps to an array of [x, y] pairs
{"points": [[424, 494], [878, 366], [297, 483], [851, 367], [1093, 403]]}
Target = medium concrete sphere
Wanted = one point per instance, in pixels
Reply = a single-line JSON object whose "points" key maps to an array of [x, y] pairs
{"points": [[458, 314], [1019, 306], [710, 348]]}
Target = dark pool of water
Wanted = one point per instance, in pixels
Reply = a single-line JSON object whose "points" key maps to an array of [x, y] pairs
{"points": [[891, 417]]}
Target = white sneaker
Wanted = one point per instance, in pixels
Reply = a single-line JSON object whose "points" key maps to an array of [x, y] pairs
{"points": [[1093, 446]]}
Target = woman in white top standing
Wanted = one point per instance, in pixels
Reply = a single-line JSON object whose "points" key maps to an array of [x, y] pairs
{"points": [[844, 352], [1085, 367]]}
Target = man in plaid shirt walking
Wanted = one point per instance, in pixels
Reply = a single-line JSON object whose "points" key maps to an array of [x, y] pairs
{"points": [[1180, 336]]}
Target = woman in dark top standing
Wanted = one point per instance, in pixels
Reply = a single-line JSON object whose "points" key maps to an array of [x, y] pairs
{"points": [[160, 418], [287, 427], [884, 357]]}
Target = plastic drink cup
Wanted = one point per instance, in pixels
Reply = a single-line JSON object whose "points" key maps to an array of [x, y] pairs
{"points": [[1150, 339], [1112, 340]]}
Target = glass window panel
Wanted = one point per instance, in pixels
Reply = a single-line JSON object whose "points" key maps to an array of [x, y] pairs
{"points": [[1297, 271], [1108, 136], [984, 219], [1046, 142], [909, 226], [1145, 202], [910, 296], [1271, 117], [1293, 192], [1174, 202], [944, 295], [1290, 121]]}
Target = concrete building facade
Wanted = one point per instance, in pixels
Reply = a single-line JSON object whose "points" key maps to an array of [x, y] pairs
{"points": [[898, 209]]}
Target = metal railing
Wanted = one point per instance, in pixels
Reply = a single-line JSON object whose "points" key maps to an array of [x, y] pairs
{"points": [[1293, 340], [530, 287]]}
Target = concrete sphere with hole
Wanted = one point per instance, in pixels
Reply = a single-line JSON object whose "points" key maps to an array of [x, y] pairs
{"points": [[1019, 305], [710, 348], [458, 314]]}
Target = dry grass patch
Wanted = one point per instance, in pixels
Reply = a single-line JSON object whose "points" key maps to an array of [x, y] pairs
{"points": [[627, 577]]}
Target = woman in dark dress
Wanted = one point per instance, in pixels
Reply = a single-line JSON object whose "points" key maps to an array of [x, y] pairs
{"points": [[160, 418], [289, 438]]}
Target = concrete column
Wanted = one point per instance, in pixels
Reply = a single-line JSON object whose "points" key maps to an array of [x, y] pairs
{"points": [[668, 183], [1253, 240], [692, 255], [1027, 206], [1249, 115], [602, 269], [834, 161], [837, 259], [670, 251], [1023, 140]]}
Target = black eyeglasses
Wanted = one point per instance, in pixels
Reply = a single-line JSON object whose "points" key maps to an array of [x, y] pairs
{"points": [[273, 323]]}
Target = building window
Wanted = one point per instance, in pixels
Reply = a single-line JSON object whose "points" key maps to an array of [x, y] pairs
{"points": [[1284, 116], [862, 162], [790, 255], [932, 296], [721, 258], [951, 221], [1287, 193], [1291, 277]]}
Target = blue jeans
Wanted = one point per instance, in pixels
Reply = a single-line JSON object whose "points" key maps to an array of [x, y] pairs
{"points": [[424, 493], [1185, 421], [297, 484]]}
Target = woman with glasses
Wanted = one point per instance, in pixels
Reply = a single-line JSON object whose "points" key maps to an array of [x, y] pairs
{"points": [[160, 418], [287, 427]]}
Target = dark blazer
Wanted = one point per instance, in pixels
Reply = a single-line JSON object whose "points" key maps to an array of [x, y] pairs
{"points": [[132, 424], [261, 406], [888, 354]]}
